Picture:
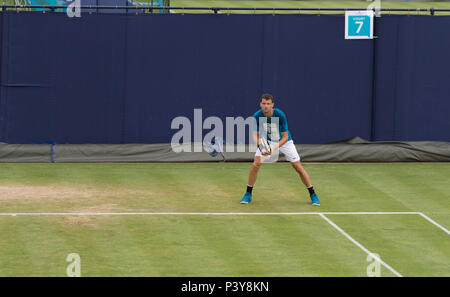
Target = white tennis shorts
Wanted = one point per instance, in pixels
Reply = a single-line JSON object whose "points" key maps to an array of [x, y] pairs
{"points": [[288, 149]]}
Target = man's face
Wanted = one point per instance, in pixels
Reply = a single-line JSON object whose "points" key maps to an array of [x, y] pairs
{"points": [[266, 105]]}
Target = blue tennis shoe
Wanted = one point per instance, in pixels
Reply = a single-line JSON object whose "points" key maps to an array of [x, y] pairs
{"points": [[314, 199], [247, 198]]}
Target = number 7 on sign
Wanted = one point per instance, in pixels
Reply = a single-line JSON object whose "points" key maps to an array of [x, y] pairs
{"points": [[360, 26]]}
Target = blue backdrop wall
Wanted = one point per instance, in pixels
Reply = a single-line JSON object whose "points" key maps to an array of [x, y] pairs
{"points": [[413, 78], [106, 78]]}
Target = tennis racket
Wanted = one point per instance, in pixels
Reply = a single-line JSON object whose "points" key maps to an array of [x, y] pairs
{"points": [[264, 145]]}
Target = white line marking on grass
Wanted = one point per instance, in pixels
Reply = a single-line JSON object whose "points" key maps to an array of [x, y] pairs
{"points": [[360, 246], [434, 223], [203, 213], [371, 213]]}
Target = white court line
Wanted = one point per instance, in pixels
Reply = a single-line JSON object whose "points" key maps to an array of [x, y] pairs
{"points": [[360, 246], [196, 213], [217, 214], [434, 223]]}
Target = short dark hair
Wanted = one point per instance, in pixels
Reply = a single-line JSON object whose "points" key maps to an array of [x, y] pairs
{"points": [[267, 97]]}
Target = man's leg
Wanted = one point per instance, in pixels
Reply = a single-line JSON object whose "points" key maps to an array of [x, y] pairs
{"points": [[254, 171], [251, 180], [306, 181], [303, 174], [289, 150]]}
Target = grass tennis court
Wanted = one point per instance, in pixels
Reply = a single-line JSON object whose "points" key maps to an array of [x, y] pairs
{"points": [[304, 4], [239, 242]]}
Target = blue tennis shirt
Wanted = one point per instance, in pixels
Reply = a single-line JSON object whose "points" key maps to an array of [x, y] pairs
{"points": [[271, 127]]}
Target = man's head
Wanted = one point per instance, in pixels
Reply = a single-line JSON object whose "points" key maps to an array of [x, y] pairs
{"points": [[266, 103]]}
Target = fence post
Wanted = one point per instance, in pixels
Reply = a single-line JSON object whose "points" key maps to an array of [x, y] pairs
{"points": [[374, 83]]}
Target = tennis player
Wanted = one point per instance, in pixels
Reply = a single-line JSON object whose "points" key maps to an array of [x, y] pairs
{"points": [[272, 123]]}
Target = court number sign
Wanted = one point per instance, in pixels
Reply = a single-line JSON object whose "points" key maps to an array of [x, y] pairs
{"points": [[359, 24]]}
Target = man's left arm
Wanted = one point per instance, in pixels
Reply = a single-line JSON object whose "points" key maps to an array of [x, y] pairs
{"points": [[284, 132]]}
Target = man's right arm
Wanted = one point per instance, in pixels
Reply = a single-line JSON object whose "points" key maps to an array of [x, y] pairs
{"points": [[255, 131], [256, 138]]}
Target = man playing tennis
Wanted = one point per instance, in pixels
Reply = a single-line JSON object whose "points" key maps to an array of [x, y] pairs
{"points": [[271, 122]]}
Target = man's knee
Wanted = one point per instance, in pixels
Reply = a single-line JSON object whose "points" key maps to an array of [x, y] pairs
{"points": [[298, 166], [256, 163]]}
